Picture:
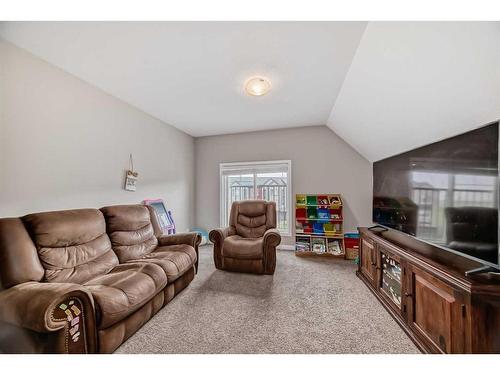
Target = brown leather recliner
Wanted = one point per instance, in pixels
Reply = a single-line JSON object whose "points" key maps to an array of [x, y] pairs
{"points": [[83, 281], [249, 243]]}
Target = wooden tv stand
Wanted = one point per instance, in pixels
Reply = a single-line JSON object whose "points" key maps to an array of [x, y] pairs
{"points": [[426, 291]]}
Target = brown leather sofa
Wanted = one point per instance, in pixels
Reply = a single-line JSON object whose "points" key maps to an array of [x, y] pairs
{"points": [[83, 281], [249, 243]]}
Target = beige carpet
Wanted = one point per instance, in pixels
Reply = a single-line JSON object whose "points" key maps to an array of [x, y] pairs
{"points": [[310, 305]]}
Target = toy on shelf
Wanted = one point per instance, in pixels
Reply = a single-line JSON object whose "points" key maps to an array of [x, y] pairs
{"points": [[319, 225]]}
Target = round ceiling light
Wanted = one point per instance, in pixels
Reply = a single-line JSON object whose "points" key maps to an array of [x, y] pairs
{"points": [[257, 86]]}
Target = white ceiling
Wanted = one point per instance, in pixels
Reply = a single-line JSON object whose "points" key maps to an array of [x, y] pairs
{"points": [[191, 74], [393, 87], [414, 83]]}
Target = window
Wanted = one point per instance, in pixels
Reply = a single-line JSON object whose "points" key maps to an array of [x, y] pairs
{"points": [[268, 180]]}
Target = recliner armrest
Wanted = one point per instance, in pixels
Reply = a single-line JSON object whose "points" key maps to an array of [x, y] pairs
{"points": [[272, 237], [32, 305], [189, 238], [217, 236]]}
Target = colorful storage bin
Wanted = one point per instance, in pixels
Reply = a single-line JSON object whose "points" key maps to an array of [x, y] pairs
{"points": [[322, 200], [335, 214], [312, 213], [311, 200], [300, 214], [300, 200], [318, 228], [351, 241], [328, 228], [323, 214]]}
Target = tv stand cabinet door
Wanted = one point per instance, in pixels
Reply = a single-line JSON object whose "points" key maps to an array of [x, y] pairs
{"points": [[437, 313], [368, 260]]}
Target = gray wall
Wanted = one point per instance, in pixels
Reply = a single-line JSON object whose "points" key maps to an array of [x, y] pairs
{"points": [[65, 144], [321, 163]]}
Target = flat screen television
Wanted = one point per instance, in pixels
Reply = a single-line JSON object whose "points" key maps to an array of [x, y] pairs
{"points": [[445, 194]]}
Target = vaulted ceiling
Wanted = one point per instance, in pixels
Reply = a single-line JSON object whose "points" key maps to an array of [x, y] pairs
{"points": [[385, 87], [414, 83], [191, 74]]}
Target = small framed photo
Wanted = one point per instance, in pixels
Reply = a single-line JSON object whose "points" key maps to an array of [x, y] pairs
{"points": [[131, 180], [164, 216]]}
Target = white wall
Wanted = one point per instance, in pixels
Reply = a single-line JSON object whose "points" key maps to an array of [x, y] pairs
{"points": [[321, 163], [65, 144]]}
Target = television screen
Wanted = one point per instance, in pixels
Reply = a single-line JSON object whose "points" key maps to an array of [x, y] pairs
{"points": [[445, 193]]}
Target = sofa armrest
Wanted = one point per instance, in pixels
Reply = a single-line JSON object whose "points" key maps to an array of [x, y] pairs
{"points": [[64, 309], [189, 238], [217, 236]]}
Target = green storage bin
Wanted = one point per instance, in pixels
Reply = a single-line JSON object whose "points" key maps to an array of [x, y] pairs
{"points": [[312, 200], [312, 213]]}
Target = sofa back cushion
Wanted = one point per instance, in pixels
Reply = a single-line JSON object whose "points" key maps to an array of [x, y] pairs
{"points": [[19, 262], [131, 231], [252, 218], [72, 245]]}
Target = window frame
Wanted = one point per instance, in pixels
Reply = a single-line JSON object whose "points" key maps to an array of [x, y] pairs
{"points": [[222, 193]]}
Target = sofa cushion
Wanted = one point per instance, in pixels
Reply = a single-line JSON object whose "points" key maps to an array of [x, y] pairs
{"points": [[19, 261], [243, 248], [130, 230], [124, 290], [72, 245], [175, 260]]}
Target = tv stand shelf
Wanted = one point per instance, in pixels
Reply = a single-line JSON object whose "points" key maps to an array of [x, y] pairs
{"points": [[426, 291]]}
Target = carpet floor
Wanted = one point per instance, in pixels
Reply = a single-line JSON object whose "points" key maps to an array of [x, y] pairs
{"points": [[310, 305]]}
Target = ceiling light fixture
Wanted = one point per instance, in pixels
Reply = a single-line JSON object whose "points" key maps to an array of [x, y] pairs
{"points": [[257, 86]]}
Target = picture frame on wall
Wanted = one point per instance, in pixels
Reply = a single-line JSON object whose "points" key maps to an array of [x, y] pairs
{"points": [[163, 215], [131, 180]]}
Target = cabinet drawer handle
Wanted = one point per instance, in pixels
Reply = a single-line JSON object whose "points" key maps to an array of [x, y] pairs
{"points": [[373, 264], [407, 294]]}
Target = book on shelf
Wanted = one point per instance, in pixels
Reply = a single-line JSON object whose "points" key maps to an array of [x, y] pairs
{"points": [[302, 244], [335, 247], [319, 244]]}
